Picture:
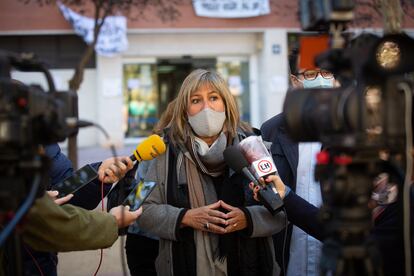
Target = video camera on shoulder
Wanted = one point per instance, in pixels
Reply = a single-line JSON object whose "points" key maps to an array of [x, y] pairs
{"points": [[367, 111], [369, 115], [29, 117]]}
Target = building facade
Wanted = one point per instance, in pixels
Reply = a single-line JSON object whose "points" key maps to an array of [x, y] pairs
{"points": [[127, 93]]}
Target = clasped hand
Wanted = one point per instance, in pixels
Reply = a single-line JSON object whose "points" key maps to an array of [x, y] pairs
{"points": [[209, 218]]}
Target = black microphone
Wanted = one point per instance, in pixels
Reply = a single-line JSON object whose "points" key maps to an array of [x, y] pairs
{"points": [[267, 196]]}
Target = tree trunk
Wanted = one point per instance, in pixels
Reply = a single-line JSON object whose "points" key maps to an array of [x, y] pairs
{"points": [[77, 78], [74, 85]]}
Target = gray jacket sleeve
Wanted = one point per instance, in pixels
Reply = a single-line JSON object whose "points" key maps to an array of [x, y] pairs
{"points": [[263, 223], [158, 217]]}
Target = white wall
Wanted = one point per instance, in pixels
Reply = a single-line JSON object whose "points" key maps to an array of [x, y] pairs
{"points": [[196, 44], [87, 97], [273, 73], [109, 99]]}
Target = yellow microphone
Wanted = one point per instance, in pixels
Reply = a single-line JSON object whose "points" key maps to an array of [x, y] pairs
{"points": [[149, 149]]}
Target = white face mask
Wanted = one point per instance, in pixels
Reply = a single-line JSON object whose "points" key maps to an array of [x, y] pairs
{"points": [[207, 122], [319, 82]]}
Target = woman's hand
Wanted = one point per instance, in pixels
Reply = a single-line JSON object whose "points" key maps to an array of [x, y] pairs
{"points": [[236, 219], [275, 181], [112, 170], [206, 218]]}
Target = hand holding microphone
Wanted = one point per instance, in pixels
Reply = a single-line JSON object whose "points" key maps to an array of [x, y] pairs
{"points": [[275, 181], [113, 169], [266, 195]]}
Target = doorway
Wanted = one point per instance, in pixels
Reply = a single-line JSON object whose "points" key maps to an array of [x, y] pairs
{"points": [[172, 72], [149, 85]]}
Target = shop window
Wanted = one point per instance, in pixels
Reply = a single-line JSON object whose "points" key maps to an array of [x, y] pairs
{"points": [[236, 73], [140, 99]]}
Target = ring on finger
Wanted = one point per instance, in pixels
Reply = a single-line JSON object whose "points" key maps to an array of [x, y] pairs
{"points": [[206, 225]]}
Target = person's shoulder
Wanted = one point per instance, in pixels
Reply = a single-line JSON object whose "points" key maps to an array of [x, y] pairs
{"points": [[52, 150], [273, 123], [275, 120]]}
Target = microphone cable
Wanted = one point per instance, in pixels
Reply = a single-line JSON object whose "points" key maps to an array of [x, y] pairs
{"points": [[103, 209], [34, 260], [84, 123]]}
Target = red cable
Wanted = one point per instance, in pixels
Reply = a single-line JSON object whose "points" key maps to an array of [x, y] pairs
{"points": [[100, 262], [102, 196], [34, 260], [103, 208]]}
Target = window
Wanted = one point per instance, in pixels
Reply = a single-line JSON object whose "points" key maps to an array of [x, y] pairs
{"points": [[236, 72], [140, 99]]}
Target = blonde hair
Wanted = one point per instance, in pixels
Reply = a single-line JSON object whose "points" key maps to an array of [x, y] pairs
{"points": [[179, 129], [165, 118]]}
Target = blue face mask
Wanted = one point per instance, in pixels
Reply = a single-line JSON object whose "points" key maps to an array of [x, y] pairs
{"points": [[319, 82]]}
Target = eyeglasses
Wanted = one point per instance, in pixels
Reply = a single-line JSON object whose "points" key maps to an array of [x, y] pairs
{"points": [[312, 74]]}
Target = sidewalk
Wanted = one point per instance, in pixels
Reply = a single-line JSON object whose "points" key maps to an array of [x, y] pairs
{"points": [[84, 263]]}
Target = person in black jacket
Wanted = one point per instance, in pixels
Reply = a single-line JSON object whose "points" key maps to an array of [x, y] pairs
{"points": [[296, 252]]}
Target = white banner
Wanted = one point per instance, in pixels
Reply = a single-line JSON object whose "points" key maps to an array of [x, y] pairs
{"points": [[112, 37], [231, 8]]}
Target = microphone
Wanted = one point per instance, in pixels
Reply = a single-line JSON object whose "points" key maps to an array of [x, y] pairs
{"points": [[236, 161], [149, 149], [267, 196]]}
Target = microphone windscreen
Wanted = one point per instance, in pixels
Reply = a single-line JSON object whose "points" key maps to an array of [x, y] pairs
{"points": [[150, 148], [235, 159], [253, 148]]}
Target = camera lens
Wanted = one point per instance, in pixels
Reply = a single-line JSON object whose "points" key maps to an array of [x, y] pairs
{"points": [[388, 55], [312, 115]]}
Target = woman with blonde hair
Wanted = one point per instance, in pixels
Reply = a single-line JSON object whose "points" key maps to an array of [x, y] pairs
{"points": [[203, 212]]}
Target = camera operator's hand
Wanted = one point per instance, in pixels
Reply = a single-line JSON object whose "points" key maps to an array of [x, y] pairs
{"points": [[112, 170], [59, 201], [275, 181], [127, 218]]}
